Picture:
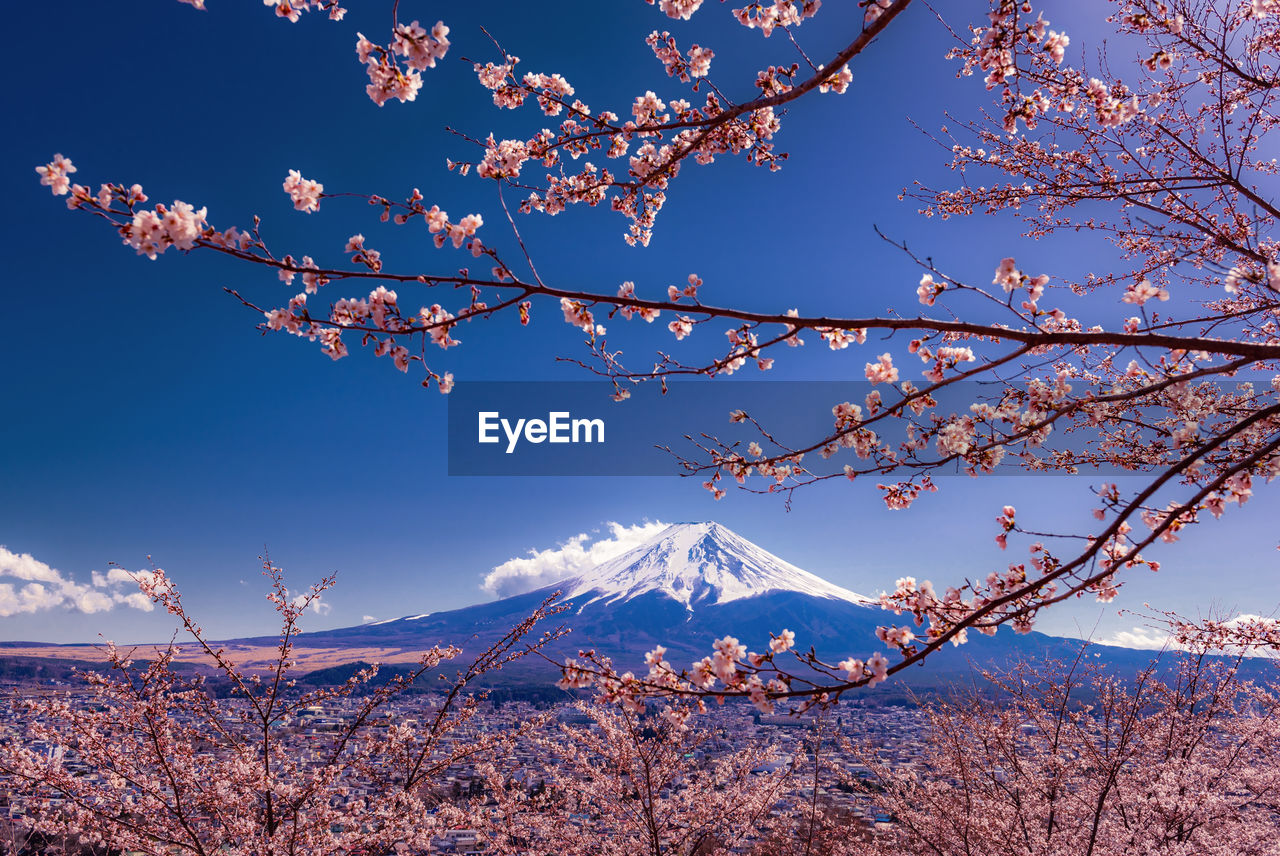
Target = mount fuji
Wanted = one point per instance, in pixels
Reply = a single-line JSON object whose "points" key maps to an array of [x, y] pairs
{"points": [[698, 565], [687, 586]]}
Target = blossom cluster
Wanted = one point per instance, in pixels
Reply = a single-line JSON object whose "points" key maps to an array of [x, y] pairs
{"points": [[304, 192], [729, 671], [149, 232], [661, 135], [684, 68], [395, 70], [781, 13], [293, 9]]}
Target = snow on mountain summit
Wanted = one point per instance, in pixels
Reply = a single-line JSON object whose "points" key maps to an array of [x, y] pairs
{"points": [[699, 564]]}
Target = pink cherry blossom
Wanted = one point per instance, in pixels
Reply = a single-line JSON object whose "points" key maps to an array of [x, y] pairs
{"points": [[304, 192], [882, 371], [54, 175]]}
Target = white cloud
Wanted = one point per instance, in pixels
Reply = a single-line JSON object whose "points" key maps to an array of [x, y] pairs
{"points": [[1158, 638], [367, 619], [120, 575], [44, 587], [1139, 637], [1247, 616], [314, 602], [575, 556], [137, 600]]}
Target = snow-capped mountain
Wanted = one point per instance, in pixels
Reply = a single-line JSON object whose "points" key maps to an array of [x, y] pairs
{"points": [[697, 564], [689, 585]]}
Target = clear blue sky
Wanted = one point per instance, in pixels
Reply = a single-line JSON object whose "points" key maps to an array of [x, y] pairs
{"points": [[144, 414]]}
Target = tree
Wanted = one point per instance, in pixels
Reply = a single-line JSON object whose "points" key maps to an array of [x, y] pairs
{"points": [[1161, 149], [155, 762], [1068, 760], [632, 783]]}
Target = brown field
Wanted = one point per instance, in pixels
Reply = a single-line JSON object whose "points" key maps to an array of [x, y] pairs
{"points": [[245, 656]]}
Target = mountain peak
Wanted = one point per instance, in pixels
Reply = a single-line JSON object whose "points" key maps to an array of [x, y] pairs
{"points": [[699, 563], [694, 528]]}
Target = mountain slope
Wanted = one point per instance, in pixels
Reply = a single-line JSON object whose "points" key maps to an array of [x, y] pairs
{"points": [[688, 586], [698, 564]]}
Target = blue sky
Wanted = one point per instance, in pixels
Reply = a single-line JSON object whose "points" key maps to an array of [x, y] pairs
{"points": [[144, 414]]}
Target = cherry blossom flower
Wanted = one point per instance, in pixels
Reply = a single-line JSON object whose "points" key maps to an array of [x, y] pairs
{"points": [[1141, 291], [882, 371], [53, 175], [304, 192]]}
